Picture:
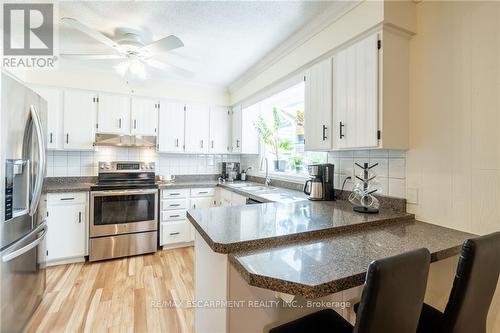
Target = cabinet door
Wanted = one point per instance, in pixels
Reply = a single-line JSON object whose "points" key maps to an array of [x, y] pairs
{"points": [[171, 127], [113, 115], [144, 116], [54, 121], [249, 135], [197, 128], [355, 86], [219, 130], [203, 202], [318, 106], [236, 129], [66, 237], [79, 119]]}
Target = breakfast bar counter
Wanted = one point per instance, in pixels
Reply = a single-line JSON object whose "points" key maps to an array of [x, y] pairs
{"points": [[289, 254]]}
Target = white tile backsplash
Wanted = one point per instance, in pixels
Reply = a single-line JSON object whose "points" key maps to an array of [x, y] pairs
{"points": [[82, 164], [391, 168]]}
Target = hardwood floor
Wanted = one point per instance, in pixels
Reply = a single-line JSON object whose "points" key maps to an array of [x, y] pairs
{"points": [[121, 295]]}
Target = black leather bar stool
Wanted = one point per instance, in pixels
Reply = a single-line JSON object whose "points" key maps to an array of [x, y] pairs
{"points": [[473, 289], [391, 301]]}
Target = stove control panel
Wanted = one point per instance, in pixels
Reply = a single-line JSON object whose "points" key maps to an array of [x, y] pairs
{"points": [[126, 166]]}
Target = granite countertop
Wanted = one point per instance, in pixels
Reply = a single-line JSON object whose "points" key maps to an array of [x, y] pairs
{"points": [[236, 228], [68, 184], [320, 267]]}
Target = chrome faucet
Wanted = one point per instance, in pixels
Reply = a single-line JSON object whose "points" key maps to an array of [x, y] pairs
{"points": [[267, 181]]}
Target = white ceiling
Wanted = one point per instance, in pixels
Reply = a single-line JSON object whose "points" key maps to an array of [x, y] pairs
{"points": [[222, 39]]}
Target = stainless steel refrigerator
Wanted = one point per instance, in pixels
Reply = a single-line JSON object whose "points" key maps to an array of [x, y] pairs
{"points": [[22, 204]]}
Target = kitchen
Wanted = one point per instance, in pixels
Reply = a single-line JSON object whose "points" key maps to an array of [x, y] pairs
{"points": [[181, 157]]}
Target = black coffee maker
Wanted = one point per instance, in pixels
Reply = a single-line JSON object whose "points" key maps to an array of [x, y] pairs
{"points": [[320, 186]]}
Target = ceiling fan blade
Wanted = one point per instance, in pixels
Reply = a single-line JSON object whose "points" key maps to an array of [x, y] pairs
{"points": [[92, 56], [73, 23], [163, 45], [169, 68]]}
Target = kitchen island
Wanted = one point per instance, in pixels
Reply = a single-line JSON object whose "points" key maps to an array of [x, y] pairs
{"points": [[261, 265]]}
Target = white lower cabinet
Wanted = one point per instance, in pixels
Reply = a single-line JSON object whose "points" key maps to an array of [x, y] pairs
{"points": [[175, 229], [228, 198], [67, 221], [175, 232]]}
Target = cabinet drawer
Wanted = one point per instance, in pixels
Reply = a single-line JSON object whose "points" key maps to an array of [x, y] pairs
{"points": [[181, 193], [174, 204], [173, 215], [67, 198], [203, 192], [174, 232]]}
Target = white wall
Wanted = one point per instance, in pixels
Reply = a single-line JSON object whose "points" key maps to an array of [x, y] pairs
{"points": [[454, 156]]}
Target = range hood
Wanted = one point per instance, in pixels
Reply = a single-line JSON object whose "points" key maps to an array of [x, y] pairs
{"points": [[120, 140]]}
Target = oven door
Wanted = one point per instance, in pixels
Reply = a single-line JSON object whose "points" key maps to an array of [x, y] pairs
{"points": [[123, 211]]}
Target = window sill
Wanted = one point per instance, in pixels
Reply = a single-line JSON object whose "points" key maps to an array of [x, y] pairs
{"points": [[294, 178]]}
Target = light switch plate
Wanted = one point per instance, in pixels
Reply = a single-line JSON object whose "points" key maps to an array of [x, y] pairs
{"points": [[412, 195]]}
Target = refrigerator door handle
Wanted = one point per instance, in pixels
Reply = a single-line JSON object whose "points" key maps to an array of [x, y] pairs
{"points": [[37, 191], [14, 254]]}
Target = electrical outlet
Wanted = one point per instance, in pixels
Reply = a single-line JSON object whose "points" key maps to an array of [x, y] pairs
{"points": [[412, 195]]}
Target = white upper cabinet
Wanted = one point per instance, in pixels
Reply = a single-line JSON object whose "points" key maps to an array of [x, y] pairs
{"points": [[113, 115], [219, 130], [236, 129], [79, 119], [54, 121], [144, 116], [355, 91], [318, 106], [245, 138], [171, 127], [197, 128]]}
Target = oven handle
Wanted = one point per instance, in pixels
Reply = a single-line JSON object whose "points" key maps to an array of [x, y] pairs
{"points": [[123, 192]]}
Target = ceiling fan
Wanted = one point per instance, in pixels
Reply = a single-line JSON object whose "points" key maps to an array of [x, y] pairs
{"points": [[130, 47]]}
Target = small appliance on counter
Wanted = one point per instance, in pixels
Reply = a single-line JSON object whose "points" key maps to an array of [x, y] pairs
{"points": [[320, 186], [230, 171], [243, 175]]}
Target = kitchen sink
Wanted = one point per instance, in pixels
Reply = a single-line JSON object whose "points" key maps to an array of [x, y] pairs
{"points": [[259, 188]]}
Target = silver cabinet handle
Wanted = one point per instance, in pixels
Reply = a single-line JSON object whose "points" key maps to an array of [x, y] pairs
{"points": [[176, 142], [67, 137], [14, 254], [65, 199], [201, 145], [79, 217], [174, 233], [176, 193], [237, 143], [212, 144], [174, 216], [174, 205], [135, 123], [203, 192], [37, 190], [50, 137], [119, 122]]}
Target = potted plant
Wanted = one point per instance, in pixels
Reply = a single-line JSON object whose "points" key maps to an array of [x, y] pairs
{"points": [[296, 163], [270, 136]]}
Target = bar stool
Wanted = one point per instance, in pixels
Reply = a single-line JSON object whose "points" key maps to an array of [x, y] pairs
{"points": [[391, 301], [473, 289]]}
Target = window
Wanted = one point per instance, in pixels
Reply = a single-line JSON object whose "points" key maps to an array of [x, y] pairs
{"points": [[281, 129]]}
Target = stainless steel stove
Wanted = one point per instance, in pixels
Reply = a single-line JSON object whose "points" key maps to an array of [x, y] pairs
{"points": [[123, 210]]}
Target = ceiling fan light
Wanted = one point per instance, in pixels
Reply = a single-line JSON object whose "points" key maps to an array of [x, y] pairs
{"points": [[122, 68], [137, 68]]}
